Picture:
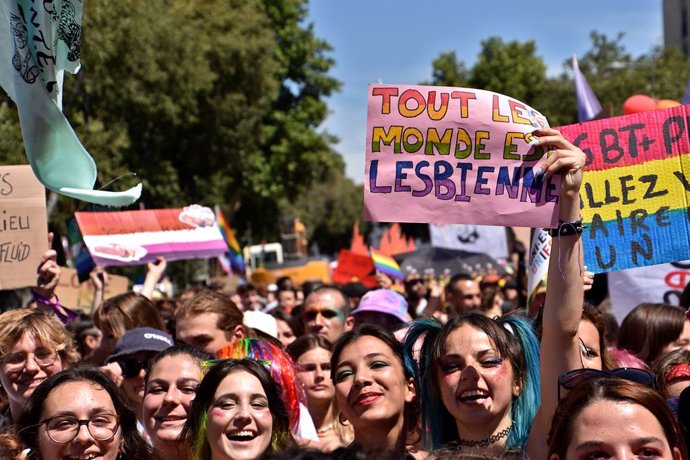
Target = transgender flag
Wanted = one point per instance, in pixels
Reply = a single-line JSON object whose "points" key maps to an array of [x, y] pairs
{"points": [[232, 261], [588, 105]]}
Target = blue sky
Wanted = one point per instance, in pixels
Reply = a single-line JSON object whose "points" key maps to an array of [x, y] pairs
{"points": [[395, 41]]}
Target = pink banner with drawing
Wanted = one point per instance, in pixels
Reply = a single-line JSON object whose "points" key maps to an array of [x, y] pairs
{"points": [[447, 155], [138, 237]]}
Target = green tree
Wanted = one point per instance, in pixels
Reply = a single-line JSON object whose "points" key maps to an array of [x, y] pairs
{"points": [[448, 71], [328, 209], [511, 68]]}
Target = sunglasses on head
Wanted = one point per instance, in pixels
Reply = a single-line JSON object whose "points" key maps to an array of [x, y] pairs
{"points": [[132, 367], [571, 379], [327, 313]]}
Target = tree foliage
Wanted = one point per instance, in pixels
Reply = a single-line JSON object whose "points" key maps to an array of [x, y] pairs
{"points": [[516, 69], [213, 102]]}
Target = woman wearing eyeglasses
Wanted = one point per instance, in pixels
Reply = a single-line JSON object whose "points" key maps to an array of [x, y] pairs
{"points": [[80, 413], [614, 418], [171, 382], [33, 346], [237, 414]]}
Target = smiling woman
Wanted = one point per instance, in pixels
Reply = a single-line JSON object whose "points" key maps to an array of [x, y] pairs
{"points": [[375, 391], [33, 346], [237, 414], [171, 382], [481, 378], [80, 413]]}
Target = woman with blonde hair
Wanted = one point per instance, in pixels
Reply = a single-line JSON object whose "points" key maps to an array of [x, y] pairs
{"points": [[33, 346]]}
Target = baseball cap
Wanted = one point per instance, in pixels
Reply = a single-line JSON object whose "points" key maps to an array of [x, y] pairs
{"points": [[262, 322], [384, 301], [141, 339]]}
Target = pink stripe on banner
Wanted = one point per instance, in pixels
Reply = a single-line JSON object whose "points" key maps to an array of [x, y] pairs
{"points": [[171, 251], [215, 247]]}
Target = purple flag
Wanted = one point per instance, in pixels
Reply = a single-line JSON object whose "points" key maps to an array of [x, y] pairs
{"points": [[686, 96], [588, 106]]}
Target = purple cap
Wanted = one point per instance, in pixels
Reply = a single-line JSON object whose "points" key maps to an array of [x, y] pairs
{"points": [[384, 301]]}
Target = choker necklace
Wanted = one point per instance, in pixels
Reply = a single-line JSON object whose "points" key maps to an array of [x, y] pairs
{"points": [[486, 441]]}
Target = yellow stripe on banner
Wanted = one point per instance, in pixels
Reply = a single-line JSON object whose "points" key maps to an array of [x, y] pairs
{"points": [[647, 186]]}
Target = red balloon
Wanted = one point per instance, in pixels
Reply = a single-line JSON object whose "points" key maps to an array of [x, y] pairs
{"points": [[638, 103], [667, 104]]}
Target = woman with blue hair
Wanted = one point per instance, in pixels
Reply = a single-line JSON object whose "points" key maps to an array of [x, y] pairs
{"points": [[480, 379]]}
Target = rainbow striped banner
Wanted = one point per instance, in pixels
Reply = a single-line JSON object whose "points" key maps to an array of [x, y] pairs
{"points": [[386, 265], [636, 188], [232, 261]]}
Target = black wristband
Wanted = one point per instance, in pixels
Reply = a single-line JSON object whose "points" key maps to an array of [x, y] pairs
{"points": [[567, 229]]}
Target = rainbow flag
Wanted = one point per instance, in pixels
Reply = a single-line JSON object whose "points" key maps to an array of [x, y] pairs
{"points": [[636, 188], [386, 265], [232, 261]]}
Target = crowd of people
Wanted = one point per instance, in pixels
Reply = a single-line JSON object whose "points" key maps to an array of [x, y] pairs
{"points": [[459, 370]]}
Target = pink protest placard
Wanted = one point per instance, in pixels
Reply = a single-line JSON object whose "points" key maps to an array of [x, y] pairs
{"points": [[447, 155]]}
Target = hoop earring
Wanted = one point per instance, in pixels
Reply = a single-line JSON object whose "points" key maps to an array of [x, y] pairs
{"points": [[342, 420]]}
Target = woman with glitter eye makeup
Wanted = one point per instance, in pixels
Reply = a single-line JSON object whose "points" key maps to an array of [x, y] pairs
{"points": [[482, 379], [375, 391]]}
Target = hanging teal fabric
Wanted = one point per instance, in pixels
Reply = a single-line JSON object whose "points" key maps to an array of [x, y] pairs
{"points": [[39, 40]]}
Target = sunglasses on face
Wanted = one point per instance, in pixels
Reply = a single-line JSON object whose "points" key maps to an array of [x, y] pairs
{"points": [[571, 379], [414, 282], [132, 367], [326, 313]]}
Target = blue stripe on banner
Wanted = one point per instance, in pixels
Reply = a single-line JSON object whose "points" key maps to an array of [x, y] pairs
{"points": [[637, 239]]}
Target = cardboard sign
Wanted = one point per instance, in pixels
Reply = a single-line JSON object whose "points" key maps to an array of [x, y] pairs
{"points": [[23, 226], [636, 188], [79, 296], [138, 237], [446, 155], [660, 283], [354, 267]]}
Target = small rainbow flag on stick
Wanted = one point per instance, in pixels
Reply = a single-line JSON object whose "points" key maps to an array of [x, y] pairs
{"points": [[386, 264], [232, 262]]}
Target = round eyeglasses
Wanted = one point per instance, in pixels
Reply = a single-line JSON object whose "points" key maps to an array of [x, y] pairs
{"points": [[16, 361], [64, 428]]}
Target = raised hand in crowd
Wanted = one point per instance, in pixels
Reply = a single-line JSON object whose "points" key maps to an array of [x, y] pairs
{"points": [[48, 273], [99, 278], [154, 273]]}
